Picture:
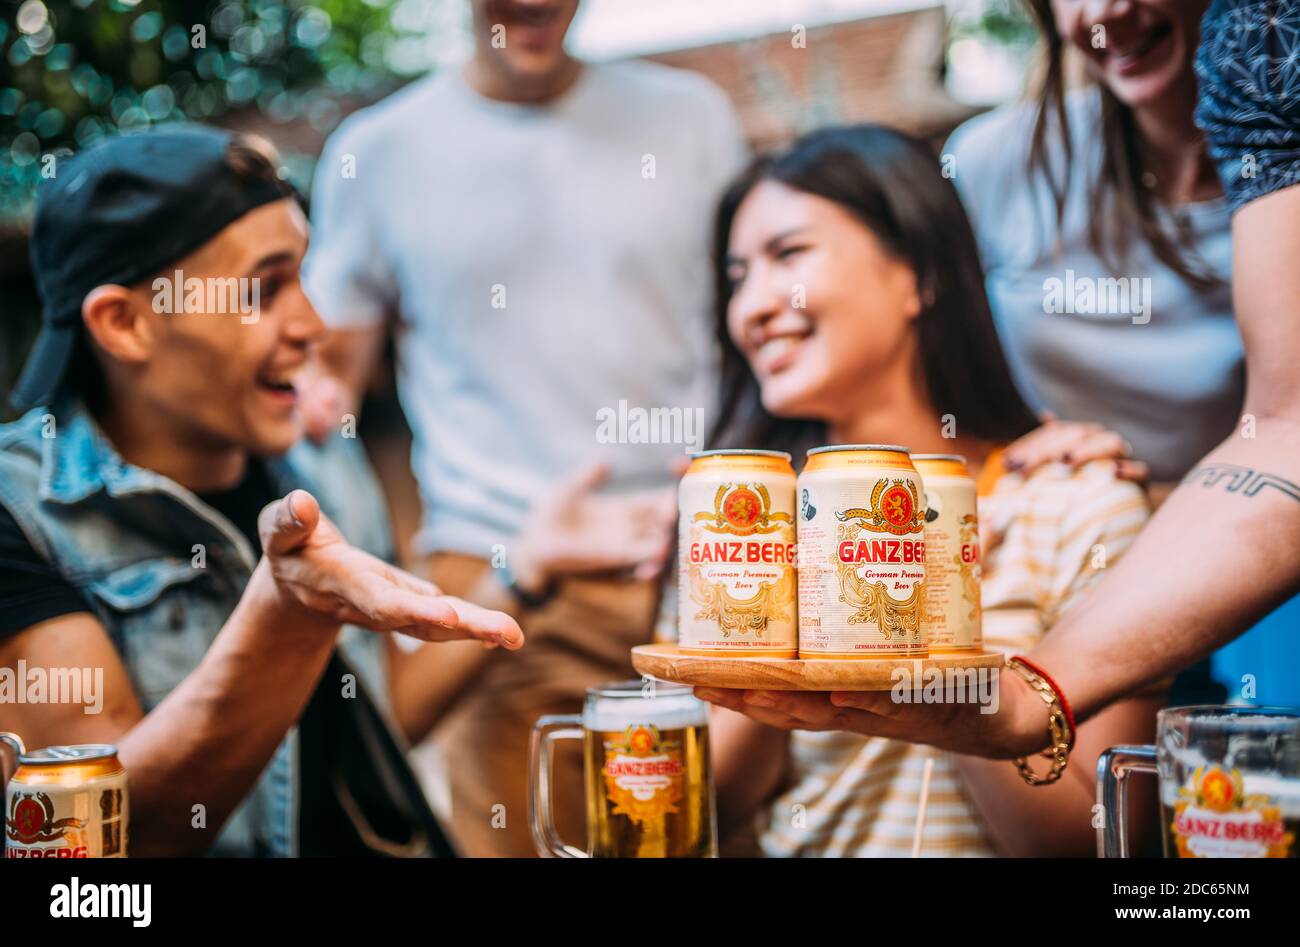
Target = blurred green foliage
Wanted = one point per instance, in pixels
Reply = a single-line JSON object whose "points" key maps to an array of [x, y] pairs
{"points": [[72, 71], [1003, 21]]}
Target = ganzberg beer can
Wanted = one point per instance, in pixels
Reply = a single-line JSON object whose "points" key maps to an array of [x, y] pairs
{"points": [[736, 555], [861, 553], [67, 802], [951, 615]]}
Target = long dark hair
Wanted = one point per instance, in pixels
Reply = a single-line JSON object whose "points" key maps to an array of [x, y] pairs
{"points": [[893, 185], [1122, 204]]}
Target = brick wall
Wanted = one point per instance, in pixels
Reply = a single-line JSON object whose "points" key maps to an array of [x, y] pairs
{"points": [[883, 68], [886, 69]]}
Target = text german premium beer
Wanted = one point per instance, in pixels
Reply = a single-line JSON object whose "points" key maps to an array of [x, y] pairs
{"points": [[861, 553], [736, 555], [951, 614], [65, 802]]}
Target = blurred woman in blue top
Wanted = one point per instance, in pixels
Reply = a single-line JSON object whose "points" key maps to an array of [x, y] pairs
{"points": [[1105, 233]]}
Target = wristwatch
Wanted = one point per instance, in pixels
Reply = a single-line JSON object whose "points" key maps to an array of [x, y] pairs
{"points": [[526, 598]]}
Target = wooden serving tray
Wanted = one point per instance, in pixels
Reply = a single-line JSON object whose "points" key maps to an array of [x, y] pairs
{"points": [[665, 662]]}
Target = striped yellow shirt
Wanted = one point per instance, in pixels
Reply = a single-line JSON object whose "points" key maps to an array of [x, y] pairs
{"points": [[1045, 539]]}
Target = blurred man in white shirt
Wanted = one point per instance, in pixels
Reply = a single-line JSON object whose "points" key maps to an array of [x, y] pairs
{"points": [[534, 230]]}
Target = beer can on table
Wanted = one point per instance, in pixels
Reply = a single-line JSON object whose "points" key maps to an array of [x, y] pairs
{"points": [[861, 553], [951, 614], [67, 802], [736, 555]]}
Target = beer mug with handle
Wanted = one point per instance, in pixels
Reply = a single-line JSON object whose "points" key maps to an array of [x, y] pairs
{"points": [[1229, 781], [648, 784]]}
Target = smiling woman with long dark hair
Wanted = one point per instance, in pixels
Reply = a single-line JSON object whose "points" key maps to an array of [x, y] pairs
{"points": [[851, 309], [965, 373]]}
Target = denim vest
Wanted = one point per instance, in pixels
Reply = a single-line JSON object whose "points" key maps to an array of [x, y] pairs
{"points": [[125, 538]]}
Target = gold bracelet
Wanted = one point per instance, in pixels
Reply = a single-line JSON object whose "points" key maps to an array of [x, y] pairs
{"points": [[1058, 726]]}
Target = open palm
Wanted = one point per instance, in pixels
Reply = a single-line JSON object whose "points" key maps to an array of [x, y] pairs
{"points": [[314, 565]]}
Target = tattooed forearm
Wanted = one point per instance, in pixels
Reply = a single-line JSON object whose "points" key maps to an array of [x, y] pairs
{"points": [[1243, 480]]}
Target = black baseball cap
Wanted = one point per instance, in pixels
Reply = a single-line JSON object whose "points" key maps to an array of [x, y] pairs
{"points": [[125, 208]]}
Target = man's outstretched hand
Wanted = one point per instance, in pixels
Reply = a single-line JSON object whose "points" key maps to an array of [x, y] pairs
{"points": [[316, 570]]}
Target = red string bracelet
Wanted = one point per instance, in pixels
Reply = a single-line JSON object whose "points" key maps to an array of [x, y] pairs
{"points": [[1060, 694]]}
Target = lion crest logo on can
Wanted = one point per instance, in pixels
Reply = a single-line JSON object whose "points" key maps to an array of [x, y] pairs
{"points": [[895, 508], [742, 508], [31, 819]]}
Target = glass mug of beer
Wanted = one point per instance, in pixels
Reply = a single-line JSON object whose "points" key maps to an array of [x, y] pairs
{"points": [[1229, 780], [648, 785]]}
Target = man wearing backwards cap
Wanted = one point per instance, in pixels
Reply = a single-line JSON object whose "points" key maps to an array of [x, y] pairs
{"points": [[166, 418]]}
